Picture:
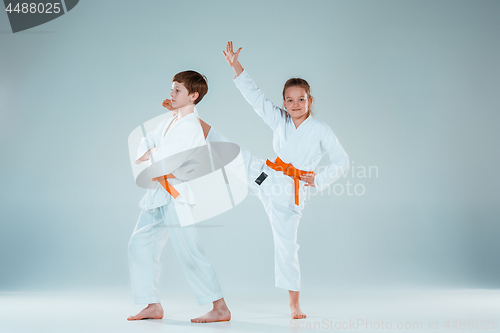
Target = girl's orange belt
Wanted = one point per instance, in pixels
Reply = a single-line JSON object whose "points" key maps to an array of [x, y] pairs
{"points": [[170, 189], [289, 170]]}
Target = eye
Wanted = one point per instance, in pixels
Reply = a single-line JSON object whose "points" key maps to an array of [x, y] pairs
{"points": [[289, 101], [301, 99]]}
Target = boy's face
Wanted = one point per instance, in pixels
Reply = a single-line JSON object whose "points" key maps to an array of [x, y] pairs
{"points": [[180, 97]]}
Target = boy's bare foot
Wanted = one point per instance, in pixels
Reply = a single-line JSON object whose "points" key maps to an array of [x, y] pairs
{"points": [[152, 311], [297, 313], [220, 312]]}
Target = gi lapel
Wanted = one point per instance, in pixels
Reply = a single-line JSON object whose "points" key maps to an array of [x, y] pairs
{"points": [[289, 149]]}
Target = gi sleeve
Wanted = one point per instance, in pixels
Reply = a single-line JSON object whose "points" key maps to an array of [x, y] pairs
{"points": [[270, 113], [146, 144], [186, 135], [339, 160]]}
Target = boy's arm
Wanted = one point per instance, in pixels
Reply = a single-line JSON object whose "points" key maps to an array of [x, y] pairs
{"points": [[147, 144], [146, 147], [146, 156], [186, 136]]}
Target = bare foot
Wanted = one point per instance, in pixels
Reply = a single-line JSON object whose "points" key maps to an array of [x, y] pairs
{"points": [[220, 312], [297, 313], [295, 306], [152, 311]]}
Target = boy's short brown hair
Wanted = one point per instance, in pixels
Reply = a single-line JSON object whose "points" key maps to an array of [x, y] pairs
{"points": [[194, 82]]}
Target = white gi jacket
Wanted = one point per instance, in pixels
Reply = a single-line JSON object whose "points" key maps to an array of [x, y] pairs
{"points": [[303, 147], [182, 136]]}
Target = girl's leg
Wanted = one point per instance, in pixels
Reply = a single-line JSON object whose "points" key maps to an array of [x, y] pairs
{"points": [[284, 224], [295, 305]]}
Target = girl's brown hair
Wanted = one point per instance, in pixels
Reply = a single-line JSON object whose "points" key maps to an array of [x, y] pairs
{"points": [[301, 83]]}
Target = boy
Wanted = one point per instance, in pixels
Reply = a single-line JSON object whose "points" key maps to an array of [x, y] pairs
{"points": [[162, 204]]}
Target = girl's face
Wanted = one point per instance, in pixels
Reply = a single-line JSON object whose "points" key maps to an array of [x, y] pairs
{"points": [[180, 96], [296, 102]]}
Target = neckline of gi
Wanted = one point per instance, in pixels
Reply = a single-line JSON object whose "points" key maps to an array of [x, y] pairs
{"points": [[302, 123], [168, 129]]}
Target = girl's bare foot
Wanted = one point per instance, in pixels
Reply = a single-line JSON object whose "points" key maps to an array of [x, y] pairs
{"points": [[220, 312], [296, 312], [295, 306], [152, 311]]}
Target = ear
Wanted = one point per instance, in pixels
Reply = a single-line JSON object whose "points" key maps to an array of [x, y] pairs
{"points": [[194, 96], [284, 106]]}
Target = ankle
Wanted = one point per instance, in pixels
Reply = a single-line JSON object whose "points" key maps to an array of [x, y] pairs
{"points": [[155, 305], [220, 305]]}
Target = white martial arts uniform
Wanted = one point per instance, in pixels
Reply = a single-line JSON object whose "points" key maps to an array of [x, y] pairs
{"points": [[303, 147], [159, 220]]}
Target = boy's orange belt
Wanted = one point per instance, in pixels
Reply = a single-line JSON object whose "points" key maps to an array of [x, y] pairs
{"points": [[170, 189], [289, 170]]}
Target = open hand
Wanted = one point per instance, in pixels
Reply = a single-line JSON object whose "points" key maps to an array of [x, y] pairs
{"points": [[231, 57], [167, 104], [308, 178]]}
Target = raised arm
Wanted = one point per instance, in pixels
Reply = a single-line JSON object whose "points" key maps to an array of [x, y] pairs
{"points": [[339, 160], [270, 113]]}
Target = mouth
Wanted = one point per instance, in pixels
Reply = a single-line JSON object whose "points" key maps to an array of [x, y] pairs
{"points": [[295, 110]]}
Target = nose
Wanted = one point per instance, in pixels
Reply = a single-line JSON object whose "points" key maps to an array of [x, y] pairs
{"points": [[171, 94]]}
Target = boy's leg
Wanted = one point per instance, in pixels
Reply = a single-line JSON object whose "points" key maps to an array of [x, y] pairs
{"points": [[198, 270], [189, 249], [145, 247]]}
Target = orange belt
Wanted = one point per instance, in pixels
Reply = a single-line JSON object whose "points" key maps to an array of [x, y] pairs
{"points": [[289, 170], [170, 189]]}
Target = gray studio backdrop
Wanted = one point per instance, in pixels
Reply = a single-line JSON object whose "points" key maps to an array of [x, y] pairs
{"points": [[410, 88]]}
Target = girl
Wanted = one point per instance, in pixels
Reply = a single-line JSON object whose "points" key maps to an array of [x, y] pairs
{"points": [[300, 141]]}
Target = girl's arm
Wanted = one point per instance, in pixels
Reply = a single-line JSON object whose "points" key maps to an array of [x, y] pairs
{"points": [[339, 160], [232, 58], [270, 113]]}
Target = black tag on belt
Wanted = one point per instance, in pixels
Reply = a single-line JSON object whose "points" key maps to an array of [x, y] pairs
{"points": [[261, 178]]}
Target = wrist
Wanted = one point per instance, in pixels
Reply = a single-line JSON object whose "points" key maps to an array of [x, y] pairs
{"points": [[238, 69]]}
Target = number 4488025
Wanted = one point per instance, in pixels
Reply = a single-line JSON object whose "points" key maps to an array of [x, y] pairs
{"points": [[41, 8], [471, 324]]}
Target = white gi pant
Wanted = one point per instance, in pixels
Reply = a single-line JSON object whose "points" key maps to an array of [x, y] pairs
{"points": [[284, 218], [150, 236]]}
